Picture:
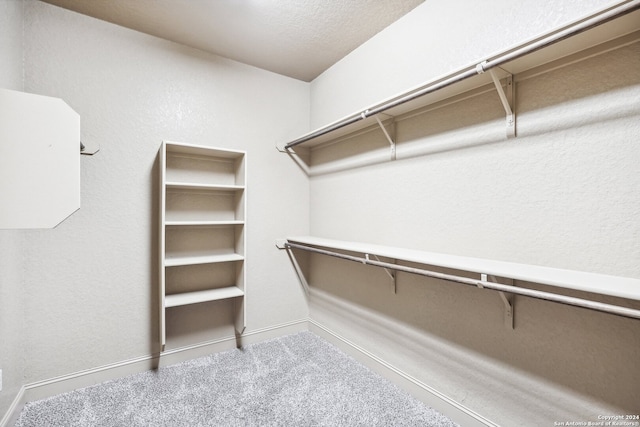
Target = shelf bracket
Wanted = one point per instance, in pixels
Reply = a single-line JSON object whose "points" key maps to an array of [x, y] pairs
{"points": [[282, 147], [392, 274], [507, 97], [282, 244], [392, 143], [89, 148], [506, 299]]}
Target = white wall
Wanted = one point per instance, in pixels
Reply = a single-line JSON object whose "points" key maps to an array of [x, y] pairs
{"points": [[11, 12], [90, 285], [11, 301], [562, 194]]}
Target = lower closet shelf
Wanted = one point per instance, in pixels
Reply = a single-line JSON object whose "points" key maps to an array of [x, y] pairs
{"points": [[489, 270], [187, 298], [621, 287]]}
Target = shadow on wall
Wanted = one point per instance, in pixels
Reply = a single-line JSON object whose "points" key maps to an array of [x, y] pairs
{"points": [[477, 118], [472, 122], [586, 352]]}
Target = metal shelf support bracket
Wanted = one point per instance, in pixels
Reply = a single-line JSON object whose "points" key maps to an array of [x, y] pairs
{"points": [[506, 299], [386, 134], [282, 244], [507, 97], [392, 274]]}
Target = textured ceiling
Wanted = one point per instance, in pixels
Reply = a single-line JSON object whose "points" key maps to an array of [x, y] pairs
{"points": [[296, 38]]}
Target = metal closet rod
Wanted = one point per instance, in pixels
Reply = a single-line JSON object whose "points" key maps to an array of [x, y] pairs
{"points": [[548, 296], [480, 68]]}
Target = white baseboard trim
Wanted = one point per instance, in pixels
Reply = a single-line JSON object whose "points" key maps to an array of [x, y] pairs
{"points": [[12, 413], [259, 335], [65, 383], [438, 401], [177, 355]]}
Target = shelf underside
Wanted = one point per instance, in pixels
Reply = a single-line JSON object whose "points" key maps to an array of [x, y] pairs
{"points": [[201, 150], [187, 298]]}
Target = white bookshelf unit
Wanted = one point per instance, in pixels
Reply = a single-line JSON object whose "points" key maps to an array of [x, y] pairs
{"points": [[202, 228]]}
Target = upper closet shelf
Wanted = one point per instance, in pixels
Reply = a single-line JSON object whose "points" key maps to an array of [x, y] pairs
{"points": [[489, 270], [498, 70], [202, 150]]}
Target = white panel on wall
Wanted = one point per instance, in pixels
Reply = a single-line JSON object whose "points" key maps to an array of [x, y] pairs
{"points": [[39, 160]]}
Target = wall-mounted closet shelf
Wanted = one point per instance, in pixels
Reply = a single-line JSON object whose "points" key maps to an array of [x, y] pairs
{"points": [[621, 287], [497, 70], [202, 228]]}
